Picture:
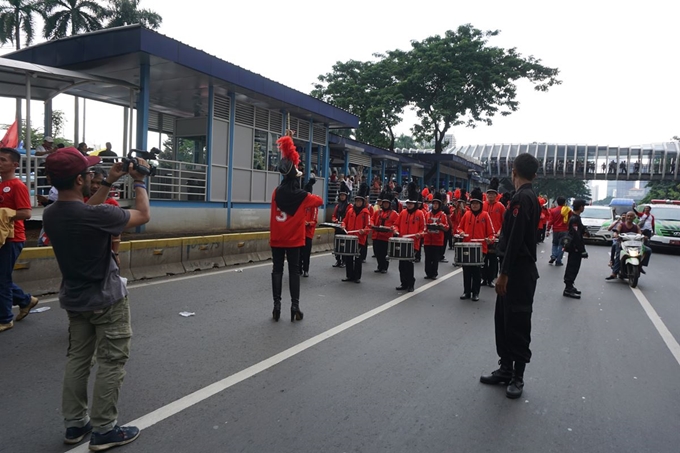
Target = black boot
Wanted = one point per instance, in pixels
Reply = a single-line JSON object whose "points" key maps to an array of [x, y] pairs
{"points": [[294, 285], [502, 375], [516, 385], [277, 281]]}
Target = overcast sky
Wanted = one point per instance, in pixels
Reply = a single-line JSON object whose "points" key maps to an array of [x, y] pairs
{"points": [[619, 63]]}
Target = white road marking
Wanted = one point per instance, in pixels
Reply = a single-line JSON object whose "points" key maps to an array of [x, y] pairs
{"points": [[666, 334], [192, 399]]}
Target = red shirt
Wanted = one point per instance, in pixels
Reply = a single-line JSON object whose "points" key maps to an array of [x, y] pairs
{"points": [[411, 223], [354, 221], [556, 221], [496, 212], [287, 231], [544, 217], [477, 227], [311, 216], [384, 218], [109, 200], [14, 195], [436, 237]]}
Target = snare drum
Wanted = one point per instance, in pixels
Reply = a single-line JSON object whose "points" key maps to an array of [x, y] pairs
{"points": [[346, 245], [400, 249], [491, 248], [468, 254], [434, 227]]}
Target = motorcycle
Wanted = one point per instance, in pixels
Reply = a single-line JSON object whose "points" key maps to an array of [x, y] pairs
{"points": [[630, 257]]}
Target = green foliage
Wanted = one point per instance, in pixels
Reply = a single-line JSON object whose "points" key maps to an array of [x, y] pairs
{"points": [[458, 79], [37, 135], [127, 12], [568, 188], [603, 202], [662, 190], [368, 90], [17, 16], [405, 141], [70, 17]]}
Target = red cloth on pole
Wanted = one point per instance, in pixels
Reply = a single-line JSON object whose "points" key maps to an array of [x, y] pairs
{"points": [[11, 138]]}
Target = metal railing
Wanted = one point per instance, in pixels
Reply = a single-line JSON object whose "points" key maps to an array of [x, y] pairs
{"points": [[174, 180]]}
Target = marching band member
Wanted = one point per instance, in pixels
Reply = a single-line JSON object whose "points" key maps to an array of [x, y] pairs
{"points": [[339, 215], [434, 240], [357, 223], [386, 217], [311, 218], [455, 216], [496, 211], [475, 225], [286, 227], [411, 222]]}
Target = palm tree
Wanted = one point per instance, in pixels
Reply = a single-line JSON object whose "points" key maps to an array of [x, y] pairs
{"points": [[70, 17], [127, 12], [17, 16]]}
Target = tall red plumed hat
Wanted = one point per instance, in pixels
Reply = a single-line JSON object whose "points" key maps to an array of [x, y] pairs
{"points": [[289, 157]]}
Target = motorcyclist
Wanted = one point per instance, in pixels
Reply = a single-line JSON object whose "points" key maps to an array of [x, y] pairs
{"points": [[627, 226]]}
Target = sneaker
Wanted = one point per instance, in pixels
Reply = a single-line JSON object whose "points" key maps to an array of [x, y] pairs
{"points": [[465, 296], [305, 274], [115, 438], [475, 297], [552, 260], [383, 271], [642, 271], [575, 290], [559, 263], [570, 293], [443, 260], [75, 435], [27, 309], [491, 285], [7, 326], [611, 277], [377, 271]]}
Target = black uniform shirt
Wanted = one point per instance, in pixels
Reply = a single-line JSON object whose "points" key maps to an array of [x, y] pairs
{"points": [[577, 230], [517, 243]]}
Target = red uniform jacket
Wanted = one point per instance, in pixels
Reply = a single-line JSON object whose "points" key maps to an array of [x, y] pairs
{"points": [[311, 216], [354, 221], [436, 237], [287, 231], [545, 214], [496, 212], [411, 223], [477, 227], [455, 218], [384, 218], [556, 221]]}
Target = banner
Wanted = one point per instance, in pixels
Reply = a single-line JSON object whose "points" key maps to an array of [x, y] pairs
{"points": [[11, 138]]}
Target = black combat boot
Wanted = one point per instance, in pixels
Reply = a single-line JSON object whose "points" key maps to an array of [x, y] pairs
{"points": [[502, 375], [277, 280], [516, 385]]}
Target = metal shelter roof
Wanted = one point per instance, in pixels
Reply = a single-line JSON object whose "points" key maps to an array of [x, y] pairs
{"points": [[47, 82], [180, 74]]}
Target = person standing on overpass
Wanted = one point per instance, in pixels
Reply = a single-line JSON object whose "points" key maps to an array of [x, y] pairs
{"points": [[92, 293]]}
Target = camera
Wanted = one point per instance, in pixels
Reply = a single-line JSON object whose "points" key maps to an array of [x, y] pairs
{"points": [[138, 153]]}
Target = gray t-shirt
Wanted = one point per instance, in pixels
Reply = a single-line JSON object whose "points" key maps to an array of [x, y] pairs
{"points": [[81, 237]]}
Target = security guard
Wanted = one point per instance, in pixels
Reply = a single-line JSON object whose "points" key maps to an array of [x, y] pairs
{"points": [[516, 283]]}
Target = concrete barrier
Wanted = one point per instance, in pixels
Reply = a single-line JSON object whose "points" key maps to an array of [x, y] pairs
{"points": [[37, 271], [156, 258], [202, 252]]}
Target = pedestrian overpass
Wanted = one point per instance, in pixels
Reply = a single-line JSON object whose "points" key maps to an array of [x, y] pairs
{"points": [[656, 161]]}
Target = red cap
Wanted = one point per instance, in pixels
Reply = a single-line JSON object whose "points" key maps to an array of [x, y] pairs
{"points": [[68, 162]]}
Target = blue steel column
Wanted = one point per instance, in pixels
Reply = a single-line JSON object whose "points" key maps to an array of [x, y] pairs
{"points": [[345, 167], [369, 177], [230, 158], [48, 118], [143, 105], [399, 174], [308, 151], [209, 140], [327, 172], [437, 178], [383, 169]]}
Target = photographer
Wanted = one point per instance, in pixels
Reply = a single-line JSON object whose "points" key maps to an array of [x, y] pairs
{"points": [[92, 292]]}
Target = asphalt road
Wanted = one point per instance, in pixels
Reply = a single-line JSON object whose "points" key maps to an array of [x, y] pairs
{"points": [[369, 369]]}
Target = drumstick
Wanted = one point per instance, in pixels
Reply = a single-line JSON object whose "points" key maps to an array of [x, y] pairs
{"points": [[409, 235]]}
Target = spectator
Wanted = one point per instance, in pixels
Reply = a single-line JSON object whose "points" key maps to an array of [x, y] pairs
{"points": [[16, 201], [559, 216], [108, 156], [92, 293], [46, 147], [82, 147], [334, 176]]}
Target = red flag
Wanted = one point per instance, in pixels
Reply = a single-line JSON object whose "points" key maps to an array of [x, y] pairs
{"points": [[11, 139]]}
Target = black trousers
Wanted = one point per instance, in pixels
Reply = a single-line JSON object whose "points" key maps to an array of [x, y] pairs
{"points": [[512, 318], [293, 257], [363, 251], [406, 273], [418, 252], [433, 254], [380, 250], [472, 279], [490, 269], [354, 264], [571, 271], [305, 255]]}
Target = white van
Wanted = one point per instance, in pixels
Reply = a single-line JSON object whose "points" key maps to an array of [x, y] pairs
{"points": [[593, 218]]}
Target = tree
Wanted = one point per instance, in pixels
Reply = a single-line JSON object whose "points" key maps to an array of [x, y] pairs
{"points": [[405, 141], [70, 17], [368, 90], [458, 79], [17, 16], [662, 190], [568, 188], [127, 12]]}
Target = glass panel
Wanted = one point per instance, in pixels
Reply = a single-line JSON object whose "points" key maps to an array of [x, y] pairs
{"points": [[260, 147], [273, 157], [191, 149]]}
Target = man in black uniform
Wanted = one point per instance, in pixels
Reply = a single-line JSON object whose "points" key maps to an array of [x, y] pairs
{"points": [[575, 248], [516, 284]]}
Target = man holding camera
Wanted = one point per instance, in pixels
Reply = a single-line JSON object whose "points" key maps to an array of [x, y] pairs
{"points": [[92, 292]]}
